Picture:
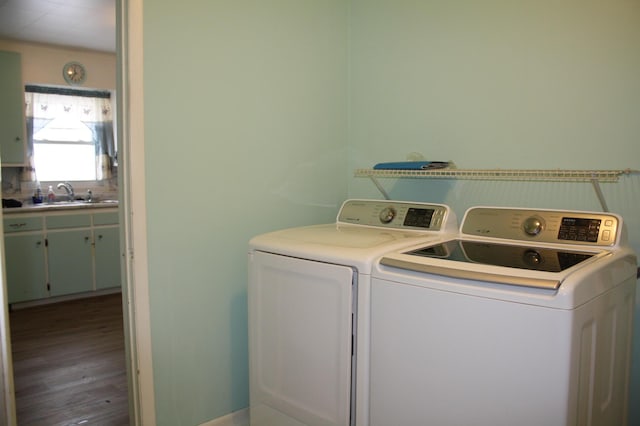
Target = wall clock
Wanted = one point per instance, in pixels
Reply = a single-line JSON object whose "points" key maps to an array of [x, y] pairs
{"points": [[74, 73]]}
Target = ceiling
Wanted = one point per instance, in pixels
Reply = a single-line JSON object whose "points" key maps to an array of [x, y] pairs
{"points": [[84, 24]]}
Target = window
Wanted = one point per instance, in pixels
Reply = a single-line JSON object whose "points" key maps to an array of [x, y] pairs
{"points": [[64, 150], [70, 134]]}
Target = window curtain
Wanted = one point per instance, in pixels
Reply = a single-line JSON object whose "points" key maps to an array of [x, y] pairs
{"points": [[93, 108]]}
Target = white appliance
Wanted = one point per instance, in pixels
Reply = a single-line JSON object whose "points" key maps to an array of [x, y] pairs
{"points": [[308, 302], [525, 318]]}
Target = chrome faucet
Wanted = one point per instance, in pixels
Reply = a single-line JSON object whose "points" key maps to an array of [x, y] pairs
{"points": [[67, 187]]}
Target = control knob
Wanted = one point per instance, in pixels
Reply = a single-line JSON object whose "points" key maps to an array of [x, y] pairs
{"points": [[387, 214], [533, 226]]}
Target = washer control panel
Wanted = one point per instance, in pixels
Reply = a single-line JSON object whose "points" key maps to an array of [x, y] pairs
{"points": [[550, 226], [397, 215]]}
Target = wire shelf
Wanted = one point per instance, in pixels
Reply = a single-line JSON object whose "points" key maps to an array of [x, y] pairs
{"points": [[502, 174]]}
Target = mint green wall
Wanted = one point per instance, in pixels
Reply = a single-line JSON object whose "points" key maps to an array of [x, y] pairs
{"points": [[252, 108], [500, 84], [496, 83], [245, 132]]}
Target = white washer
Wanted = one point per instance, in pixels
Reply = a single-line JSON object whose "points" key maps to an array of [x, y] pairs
{"points": [[308, 309], [524, 319]]}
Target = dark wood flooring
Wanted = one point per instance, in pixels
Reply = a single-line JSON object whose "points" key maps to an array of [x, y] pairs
{"points": [[69, 363]]}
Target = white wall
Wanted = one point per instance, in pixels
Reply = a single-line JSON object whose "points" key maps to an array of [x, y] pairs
{"points": [[500, 84], [42, 64]]}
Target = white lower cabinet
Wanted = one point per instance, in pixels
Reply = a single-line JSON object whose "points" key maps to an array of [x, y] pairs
{"points": [[25, 265], [70, 265], [107, 255], [60, 254]]}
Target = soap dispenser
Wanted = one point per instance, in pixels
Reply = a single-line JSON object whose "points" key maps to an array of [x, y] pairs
{"points": [[51, 196], [37, 194]]}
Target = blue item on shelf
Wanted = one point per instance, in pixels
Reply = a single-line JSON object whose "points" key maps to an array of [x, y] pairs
{"points": [[412, 165]]}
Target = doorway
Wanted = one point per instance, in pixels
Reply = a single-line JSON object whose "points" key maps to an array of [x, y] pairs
{"points": [[136, 333]]}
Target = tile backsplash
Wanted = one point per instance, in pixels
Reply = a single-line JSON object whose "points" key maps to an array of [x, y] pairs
{"points": [[13, 187]]}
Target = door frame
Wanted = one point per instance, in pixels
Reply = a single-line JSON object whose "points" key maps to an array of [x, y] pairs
{"points": [[7, 390], [133, 211]]}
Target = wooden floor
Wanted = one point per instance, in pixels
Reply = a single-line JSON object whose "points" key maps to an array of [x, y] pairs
{"points": [[69, 363]]}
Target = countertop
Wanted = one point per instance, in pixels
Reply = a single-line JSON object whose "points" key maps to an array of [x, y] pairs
{"points": [[60, 206]]}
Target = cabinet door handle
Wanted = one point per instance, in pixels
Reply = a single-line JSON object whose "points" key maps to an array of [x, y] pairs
{"points": [[86, 239], [18, 139], [38, 244], [99, 237]]}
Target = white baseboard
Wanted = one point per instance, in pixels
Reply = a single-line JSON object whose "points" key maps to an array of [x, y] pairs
{"points": [[66, 298], [237, 418]]}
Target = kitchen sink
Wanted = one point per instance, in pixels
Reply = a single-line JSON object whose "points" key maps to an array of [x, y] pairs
{"points": [[81, 201], [75, 204], [67, 202]]}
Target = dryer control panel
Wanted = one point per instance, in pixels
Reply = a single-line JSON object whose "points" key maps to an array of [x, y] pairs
{"points": [[397, 215], [550, 226]]}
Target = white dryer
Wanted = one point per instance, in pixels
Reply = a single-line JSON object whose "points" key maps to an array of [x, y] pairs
{"points": [[525, 318], [308, 301]]}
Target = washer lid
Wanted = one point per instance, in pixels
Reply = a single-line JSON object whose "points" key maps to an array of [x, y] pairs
{"points": [[508, 255], [518, 265]]}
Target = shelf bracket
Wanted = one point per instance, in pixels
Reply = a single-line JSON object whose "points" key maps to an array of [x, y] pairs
{"points": [[599, 194], [383, 191]]}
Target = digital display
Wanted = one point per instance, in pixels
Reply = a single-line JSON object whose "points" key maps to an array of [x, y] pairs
{"points": [[420, 218], [572, 221], [579, 229]]}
